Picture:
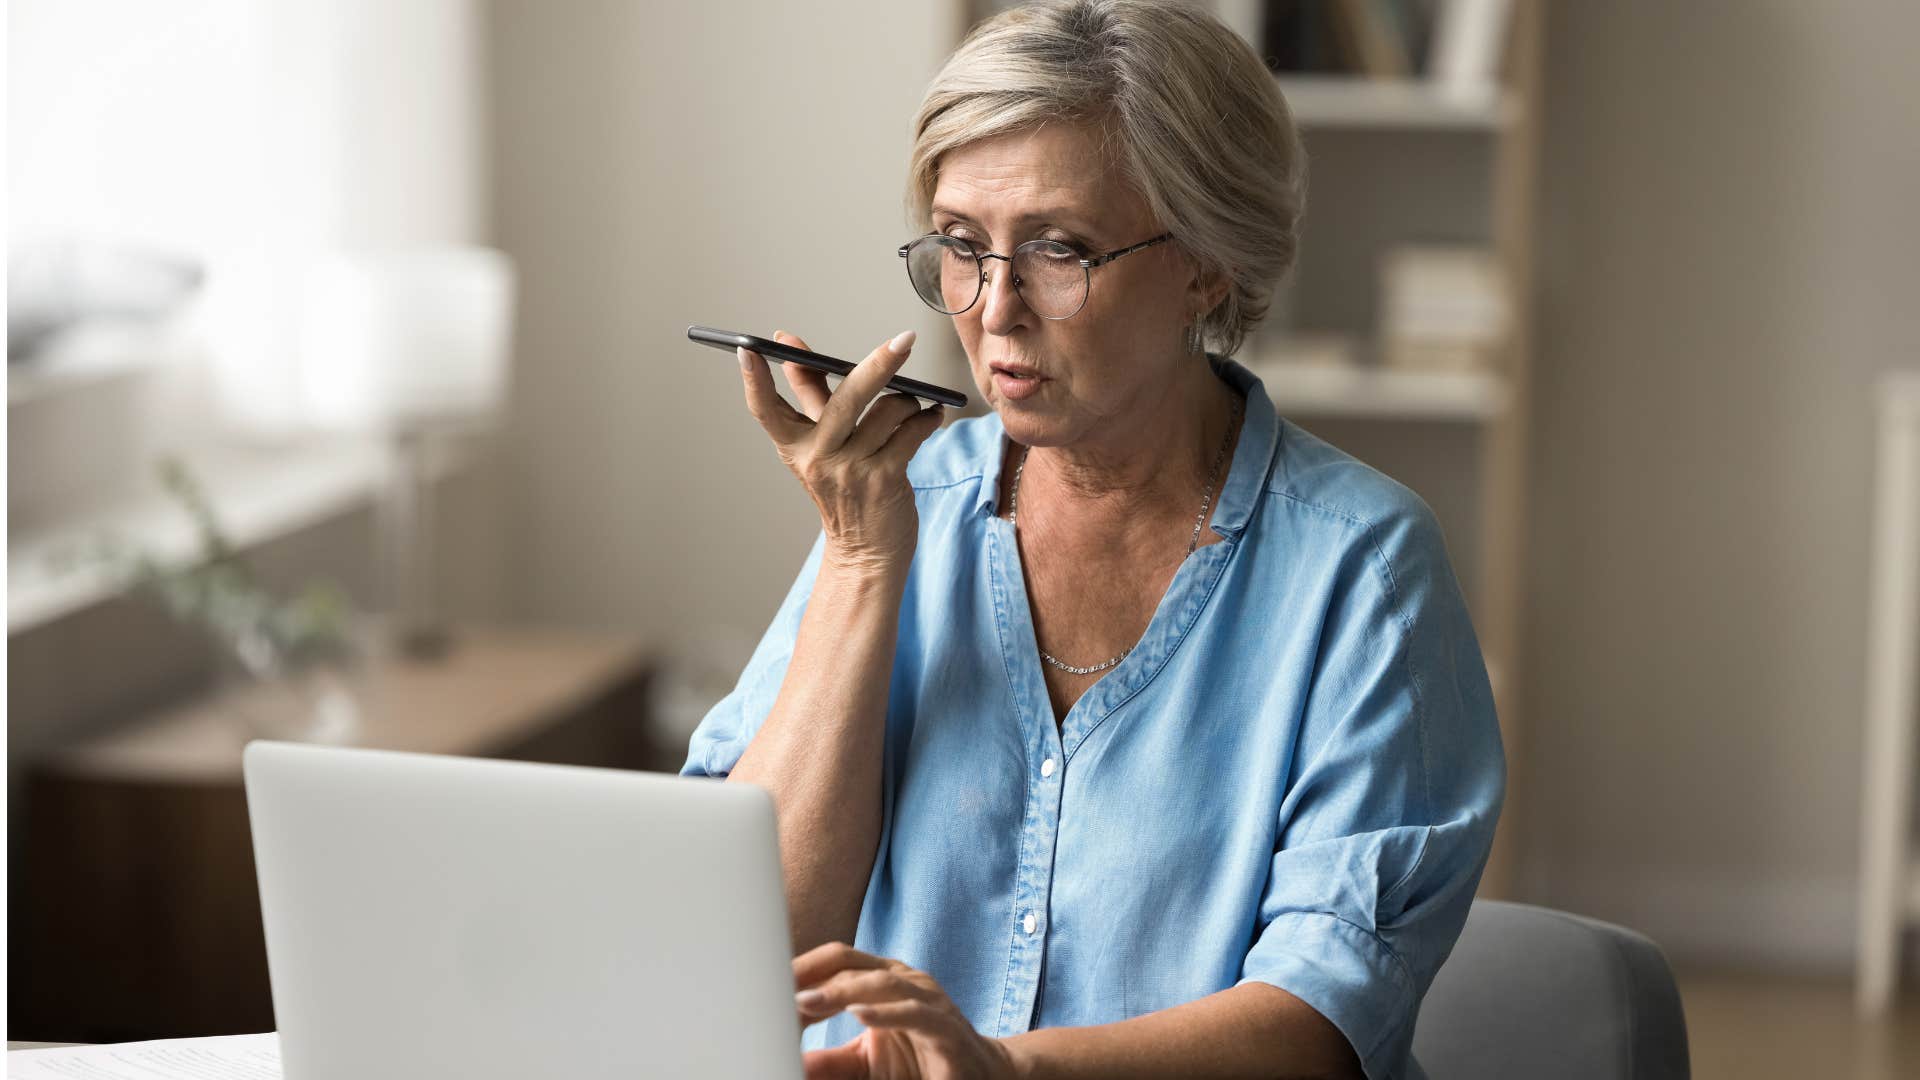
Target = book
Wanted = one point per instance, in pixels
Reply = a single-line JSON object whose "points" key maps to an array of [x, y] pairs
{"points": [[1292, 37], [1469, 37], [1442, 308], [1378, 38], [1369, 40]]}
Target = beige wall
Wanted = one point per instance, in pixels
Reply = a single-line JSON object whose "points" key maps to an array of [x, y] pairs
{"points": [[734, 164], [1728, 255]]}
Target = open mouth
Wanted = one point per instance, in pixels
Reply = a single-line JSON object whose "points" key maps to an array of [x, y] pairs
{"points": [[1014, 373], [1015, 385]]}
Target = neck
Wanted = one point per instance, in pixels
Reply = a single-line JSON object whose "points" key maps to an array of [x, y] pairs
{"points": [[1146, 467]]}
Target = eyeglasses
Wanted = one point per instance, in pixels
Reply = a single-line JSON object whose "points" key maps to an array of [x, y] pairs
{"points": [[1051, 278]]}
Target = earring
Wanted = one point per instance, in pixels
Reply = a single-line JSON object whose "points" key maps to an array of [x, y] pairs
{"points": [[1194, 342]]}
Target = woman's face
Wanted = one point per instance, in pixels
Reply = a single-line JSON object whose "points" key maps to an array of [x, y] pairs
{"points": [[1120, 354]]}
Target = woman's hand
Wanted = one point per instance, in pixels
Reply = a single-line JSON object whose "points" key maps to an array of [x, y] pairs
{"points": [[854, 467], [913, 1030]]}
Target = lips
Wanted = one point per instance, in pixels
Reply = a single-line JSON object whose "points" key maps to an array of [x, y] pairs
{"points": [[1018, 371], [1015, 383]]}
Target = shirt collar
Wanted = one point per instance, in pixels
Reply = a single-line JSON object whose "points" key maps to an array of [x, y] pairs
{"points": [[1253, 454]]}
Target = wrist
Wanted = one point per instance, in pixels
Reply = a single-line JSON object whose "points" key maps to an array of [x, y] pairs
{"points": [[1018, 1064], [862, 564]]}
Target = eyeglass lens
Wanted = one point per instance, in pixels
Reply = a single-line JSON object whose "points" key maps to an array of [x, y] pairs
{"points": [[947, 275]]}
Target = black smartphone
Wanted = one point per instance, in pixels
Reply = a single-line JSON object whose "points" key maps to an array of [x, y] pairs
{"points": [[773, 350]]}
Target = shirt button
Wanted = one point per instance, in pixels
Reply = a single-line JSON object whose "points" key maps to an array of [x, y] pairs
{"points": [[1046, 767], [1028, 923]]}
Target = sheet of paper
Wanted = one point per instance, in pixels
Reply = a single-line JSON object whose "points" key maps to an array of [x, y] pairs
{"points": [[225, 1057]]}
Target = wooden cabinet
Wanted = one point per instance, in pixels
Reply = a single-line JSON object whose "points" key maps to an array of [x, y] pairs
{"points": [[142, 916]]}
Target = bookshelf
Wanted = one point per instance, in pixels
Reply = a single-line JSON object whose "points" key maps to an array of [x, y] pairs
{"points": [[1889, 856]]}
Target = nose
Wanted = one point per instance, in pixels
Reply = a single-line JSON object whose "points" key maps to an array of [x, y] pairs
{"points": [[1002, 309]]}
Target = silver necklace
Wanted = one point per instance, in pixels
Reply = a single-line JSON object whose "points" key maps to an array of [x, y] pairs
{"points": [[1206, 502]]}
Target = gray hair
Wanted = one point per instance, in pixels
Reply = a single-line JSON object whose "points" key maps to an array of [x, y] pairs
{"points": [[1191, 117]]}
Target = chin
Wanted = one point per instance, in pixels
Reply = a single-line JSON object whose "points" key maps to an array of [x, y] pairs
{"points": [[1027, 428]]}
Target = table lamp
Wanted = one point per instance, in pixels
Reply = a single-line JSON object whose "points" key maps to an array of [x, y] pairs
{"points": [[412, 345]]}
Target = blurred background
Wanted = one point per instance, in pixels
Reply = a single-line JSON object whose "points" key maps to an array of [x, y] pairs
{"points": [[349, 399]]}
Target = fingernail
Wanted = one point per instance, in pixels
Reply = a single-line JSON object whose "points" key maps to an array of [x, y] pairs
{"points": [[902, 341], [746, 362], [809, 999]]}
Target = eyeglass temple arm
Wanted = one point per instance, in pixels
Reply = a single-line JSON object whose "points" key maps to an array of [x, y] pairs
{"points": [[1102, 260]]}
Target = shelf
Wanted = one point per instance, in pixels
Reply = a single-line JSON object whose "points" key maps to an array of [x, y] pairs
{"points": [[1335, 102], [260, 495], [27, 384], [1352, 390]]}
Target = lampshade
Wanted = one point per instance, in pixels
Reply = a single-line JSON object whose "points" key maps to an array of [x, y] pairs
{"points": [[404, 337]]}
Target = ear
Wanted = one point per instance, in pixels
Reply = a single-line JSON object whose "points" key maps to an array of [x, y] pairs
{"points": [[1206, 288]]}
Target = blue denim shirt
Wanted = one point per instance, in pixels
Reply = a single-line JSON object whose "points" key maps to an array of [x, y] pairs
{"points": [[1293, 778]]}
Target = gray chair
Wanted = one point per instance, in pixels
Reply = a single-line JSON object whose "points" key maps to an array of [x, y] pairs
{"points": [[1533, 992]]}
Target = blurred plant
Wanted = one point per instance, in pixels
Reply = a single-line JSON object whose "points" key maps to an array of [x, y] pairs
{"points": [[220, 592]]}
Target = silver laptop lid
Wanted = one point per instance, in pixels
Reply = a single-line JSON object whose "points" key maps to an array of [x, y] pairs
{"points": [[440, 916]]}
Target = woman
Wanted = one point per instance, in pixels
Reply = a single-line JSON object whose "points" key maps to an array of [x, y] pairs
{"points": [[1129, 730]]}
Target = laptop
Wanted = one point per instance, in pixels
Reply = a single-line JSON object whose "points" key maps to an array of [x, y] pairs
{"points": [[431, 916]]}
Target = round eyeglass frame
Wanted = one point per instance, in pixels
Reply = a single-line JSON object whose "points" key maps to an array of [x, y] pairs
{"points": [[980, 260]]}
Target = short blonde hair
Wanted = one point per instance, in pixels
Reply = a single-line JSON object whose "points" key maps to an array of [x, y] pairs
{"points": [[1191, 116]]}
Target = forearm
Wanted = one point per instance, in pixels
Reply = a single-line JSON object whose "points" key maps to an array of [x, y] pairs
{"points": [[1253, 1030], [819, 750]]}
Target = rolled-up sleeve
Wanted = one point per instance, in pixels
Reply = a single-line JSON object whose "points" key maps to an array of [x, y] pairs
{"points": [[730, 725], [1386, 825]]}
